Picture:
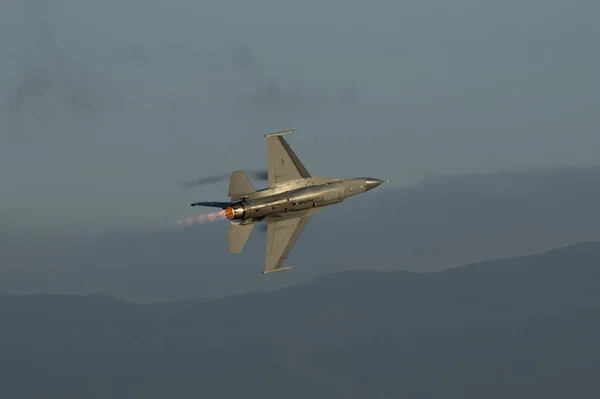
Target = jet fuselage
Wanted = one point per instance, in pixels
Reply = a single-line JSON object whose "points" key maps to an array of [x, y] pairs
{"points": [[301, 195]]}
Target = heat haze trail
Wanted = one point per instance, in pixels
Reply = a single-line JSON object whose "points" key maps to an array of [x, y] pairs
{"points": [[201, 219]]}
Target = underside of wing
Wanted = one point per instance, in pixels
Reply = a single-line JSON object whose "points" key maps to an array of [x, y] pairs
{"points": [[281, 237], [283, 164]]}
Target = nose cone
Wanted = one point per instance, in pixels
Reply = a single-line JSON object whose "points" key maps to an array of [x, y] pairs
{"points": [[372, 183]]}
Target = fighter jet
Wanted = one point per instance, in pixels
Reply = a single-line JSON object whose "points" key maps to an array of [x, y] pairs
{"points": [[293, 195]]}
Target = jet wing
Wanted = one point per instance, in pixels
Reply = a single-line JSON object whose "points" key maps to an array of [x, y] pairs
{"points": [[283, 164], [281, 237]]}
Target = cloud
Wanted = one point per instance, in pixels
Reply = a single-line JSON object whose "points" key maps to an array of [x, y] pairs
{"points": [[52, 86], [243, 59], [253, 174], [267, 95]]}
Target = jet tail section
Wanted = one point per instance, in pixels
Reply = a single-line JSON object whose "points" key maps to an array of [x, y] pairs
{"points": [[240, 186], [238, 235]]}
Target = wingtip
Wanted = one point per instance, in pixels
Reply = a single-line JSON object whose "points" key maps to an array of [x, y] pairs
{"points": [[277, 270], [283, 132]]}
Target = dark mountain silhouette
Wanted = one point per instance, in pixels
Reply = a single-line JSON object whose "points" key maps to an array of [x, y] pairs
{"points": [[522, 327], [440, 223]]}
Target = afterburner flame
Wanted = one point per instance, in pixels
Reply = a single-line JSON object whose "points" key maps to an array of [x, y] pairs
{"points": [[202, 219]]}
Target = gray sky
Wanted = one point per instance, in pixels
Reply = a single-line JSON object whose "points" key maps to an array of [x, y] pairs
{"points": [[142, 95]]}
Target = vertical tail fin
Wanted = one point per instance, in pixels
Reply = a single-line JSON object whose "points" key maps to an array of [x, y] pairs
{"points": [[238, 235], [240, 186]]}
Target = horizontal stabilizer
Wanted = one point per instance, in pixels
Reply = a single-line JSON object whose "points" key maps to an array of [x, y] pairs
{"points": [[240, 186], [221, 205], [238, 235]]}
